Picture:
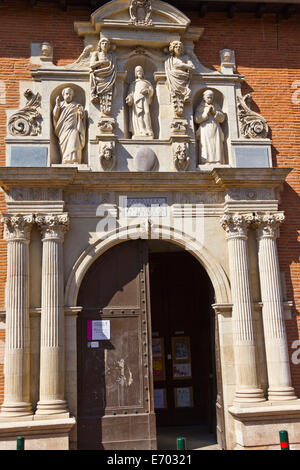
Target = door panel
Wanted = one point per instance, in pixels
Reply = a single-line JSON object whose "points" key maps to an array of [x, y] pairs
{"points": [[114, 383]]}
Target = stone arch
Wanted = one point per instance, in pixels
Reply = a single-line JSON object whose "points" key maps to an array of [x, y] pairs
{"points": [[214, 270]]}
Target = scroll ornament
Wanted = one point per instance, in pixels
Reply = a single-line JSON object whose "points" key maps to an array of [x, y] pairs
{"points": [[252, 124], [26, 121]]}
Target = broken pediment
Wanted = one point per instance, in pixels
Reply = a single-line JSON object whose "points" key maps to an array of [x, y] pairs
{"points": [[130, 22]]}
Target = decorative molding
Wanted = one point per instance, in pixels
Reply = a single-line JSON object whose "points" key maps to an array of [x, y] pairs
{"points": [[25, 121], [252, 125]]}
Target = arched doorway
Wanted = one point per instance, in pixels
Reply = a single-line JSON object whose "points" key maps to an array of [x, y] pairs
{"points": [[120, 386]]}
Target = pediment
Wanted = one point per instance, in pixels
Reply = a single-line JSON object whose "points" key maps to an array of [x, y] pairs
{"points": [[114, 20]]}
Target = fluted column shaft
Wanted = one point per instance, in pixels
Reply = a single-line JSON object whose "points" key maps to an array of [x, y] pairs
{"points": [[17, 345], [247, 387], [52, 379], [279, 377]]}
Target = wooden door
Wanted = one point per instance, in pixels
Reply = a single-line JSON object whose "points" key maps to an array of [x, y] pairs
{"points": [[115, 399]]}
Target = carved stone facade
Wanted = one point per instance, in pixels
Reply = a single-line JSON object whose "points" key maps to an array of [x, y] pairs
{"points": [[149, 144]]}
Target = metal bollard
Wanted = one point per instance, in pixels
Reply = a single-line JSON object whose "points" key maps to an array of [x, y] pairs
{"points": [[20, 443], [180, 443], [284, 440]]}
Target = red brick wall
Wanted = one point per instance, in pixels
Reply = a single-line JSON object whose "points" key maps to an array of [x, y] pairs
{"points": [[267, 54]]}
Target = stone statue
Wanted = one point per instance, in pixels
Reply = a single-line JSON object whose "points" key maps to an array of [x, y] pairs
{"points": [[102, 76], [139, 99], [178, 69], [209, 116], [70, 126]]}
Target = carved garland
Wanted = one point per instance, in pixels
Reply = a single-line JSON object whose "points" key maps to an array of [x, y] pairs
{"points": [[25, 121]]}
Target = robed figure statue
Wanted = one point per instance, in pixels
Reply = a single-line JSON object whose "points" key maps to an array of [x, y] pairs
{"points": [[139, 98], [69, 126]]}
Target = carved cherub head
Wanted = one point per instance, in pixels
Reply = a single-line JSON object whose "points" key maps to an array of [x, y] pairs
{"points": [[176, 48]]}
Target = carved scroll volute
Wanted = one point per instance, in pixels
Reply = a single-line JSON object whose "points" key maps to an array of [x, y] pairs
{"points": [[26, 121], [252, 125]]}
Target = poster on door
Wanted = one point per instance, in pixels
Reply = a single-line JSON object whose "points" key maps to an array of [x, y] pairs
{"points": [[182, 368], [158, 359]]}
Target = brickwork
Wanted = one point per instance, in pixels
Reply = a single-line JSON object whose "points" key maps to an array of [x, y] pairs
{"points": [[267, 54]]}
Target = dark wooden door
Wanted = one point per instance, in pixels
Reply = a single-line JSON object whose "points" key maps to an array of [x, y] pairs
{"points": [[183, 341], [115, 400]]}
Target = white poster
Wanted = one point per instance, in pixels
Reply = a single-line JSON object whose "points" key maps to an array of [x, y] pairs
{"points": [[159, 398], [100, 329]]}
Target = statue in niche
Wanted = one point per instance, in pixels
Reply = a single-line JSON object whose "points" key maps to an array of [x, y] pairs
{"points": [[70, 126], [209, 117], [179, 68], [102, 76], [140, 12], [139, 99]]}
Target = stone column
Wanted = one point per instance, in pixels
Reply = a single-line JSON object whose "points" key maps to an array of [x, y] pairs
{"points": [[52, 379], [17, 344], [247, 387], [279, 377]]}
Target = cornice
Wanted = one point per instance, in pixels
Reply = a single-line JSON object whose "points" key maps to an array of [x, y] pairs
{"points": [[217, 179]]}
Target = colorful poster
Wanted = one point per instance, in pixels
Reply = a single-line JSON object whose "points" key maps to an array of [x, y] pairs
{"points": [[182, 371], [156, 347], [158, 367], [181, 350]]}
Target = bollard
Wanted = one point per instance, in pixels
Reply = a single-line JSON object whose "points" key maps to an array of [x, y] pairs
{"points": [[284, 440], [20, 443], [180, 443]]}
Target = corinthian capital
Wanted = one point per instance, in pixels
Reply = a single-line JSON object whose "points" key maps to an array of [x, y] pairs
{"points": [[268, 224], [236, 225], [17, 227], [53, 226]]}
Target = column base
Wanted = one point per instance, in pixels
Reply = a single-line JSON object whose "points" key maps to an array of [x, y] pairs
{"points": [[281, 394], [48, 408], [251, 395], [16, 410]]}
